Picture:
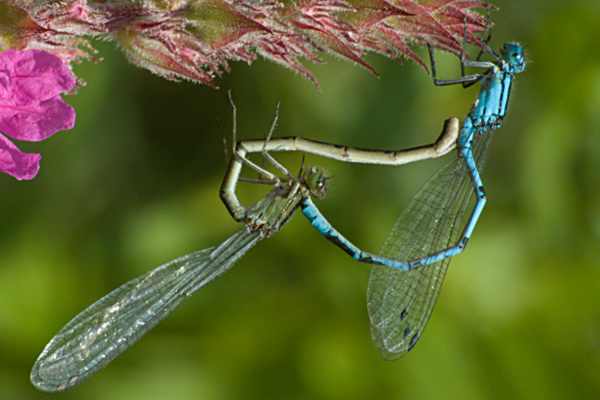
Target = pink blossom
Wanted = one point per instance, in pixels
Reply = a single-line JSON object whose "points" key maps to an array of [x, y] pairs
{"points": [[31, 109]]}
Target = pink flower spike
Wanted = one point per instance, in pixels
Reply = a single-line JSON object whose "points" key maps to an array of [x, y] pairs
{"points": [[31, 83], [14, 162]]}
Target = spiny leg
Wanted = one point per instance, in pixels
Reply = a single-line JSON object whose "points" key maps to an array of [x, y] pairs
{"points": [[462, 51], [487, 49], [486, 42], [255, 181], [464, 62], [484, 46], [234, 122], [266, 175], [238, 154], [477, 63], [467, 79], [264, 151]]}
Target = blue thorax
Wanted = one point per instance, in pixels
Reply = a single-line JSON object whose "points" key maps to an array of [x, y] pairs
{"points": [[492, 103]]}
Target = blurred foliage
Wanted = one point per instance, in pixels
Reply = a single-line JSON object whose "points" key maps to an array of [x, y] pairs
{"points": [[136, 184]]}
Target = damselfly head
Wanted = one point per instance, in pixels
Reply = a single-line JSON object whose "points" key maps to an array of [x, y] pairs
{"points": [[514, 55], [316, 181]]}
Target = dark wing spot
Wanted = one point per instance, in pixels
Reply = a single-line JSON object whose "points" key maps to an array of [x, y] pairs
{"points": [[413, 341], [403, 314]]}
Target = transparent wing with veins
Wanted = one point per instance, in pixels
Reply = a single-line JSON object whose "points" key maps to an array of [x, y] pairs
{"points": [[400, 303], [115, 322]]}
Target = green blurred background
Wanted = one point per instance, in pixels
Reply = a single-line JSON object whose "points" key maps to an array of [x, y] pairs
{"points": [[136, 184]]}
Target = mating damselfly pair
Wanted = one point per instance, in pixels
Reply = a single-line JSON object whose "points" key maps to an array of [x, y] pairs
{"points": [[404, 283]]}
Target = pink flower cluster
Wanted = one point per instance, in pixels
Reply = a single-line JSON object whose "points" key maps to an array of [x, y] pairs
{"points": [[31, 107], [197, 39]]}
